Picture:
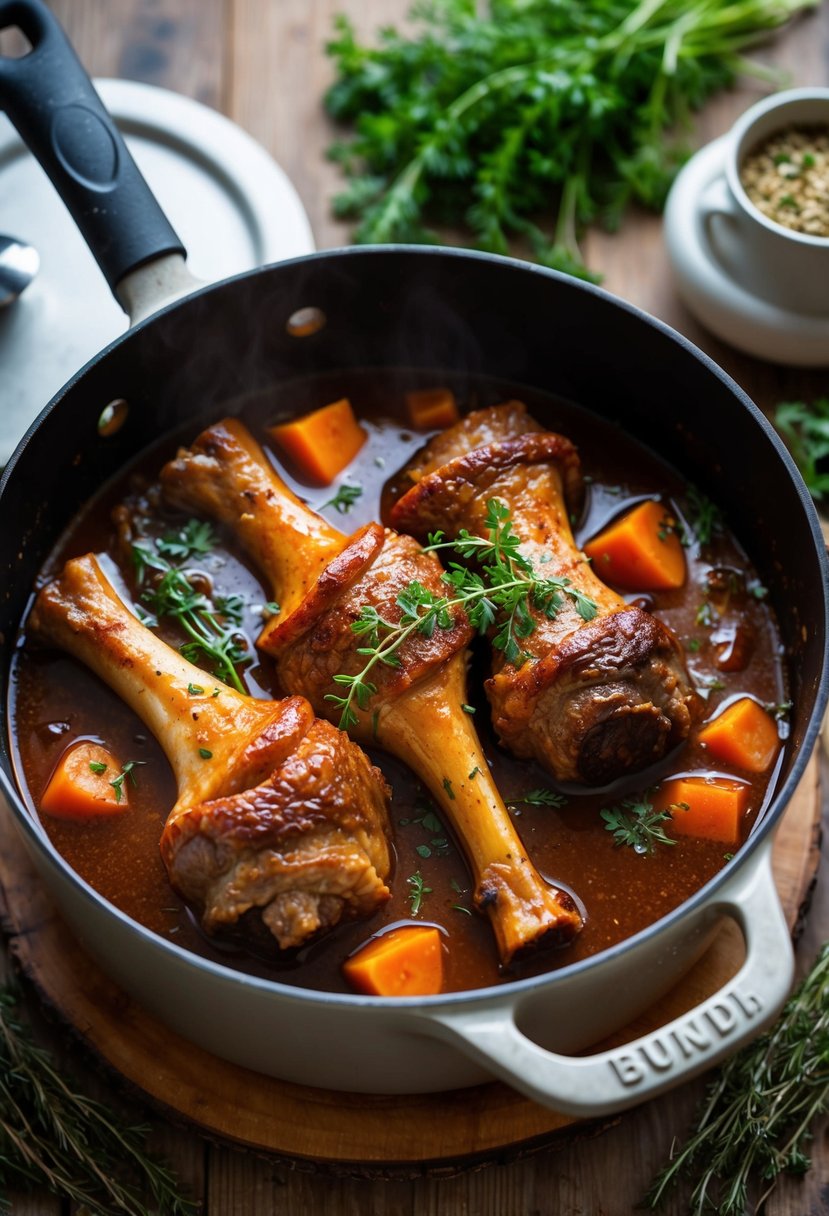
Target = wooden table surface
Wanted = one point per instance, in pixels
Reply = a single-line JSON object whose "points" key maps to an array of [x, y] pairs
{"points": [[262, 63]]}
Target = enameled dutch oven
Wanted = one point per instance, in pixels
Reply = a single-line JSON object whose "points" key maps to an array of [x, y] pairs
{"points": [[396, 307]]}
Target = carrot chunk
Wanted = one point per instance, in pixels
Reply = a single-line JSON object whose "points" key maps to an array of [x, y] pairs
{"points": [[322, 443], [431, 409], [403, 962], [640, 551], [744, 735], [715, 807], [80, 787]]}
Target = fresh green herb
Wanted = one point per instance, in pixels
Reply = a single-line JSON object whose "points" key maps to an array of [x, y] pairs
{"points": [[789, 200], [205, 753], [270, 609], [474, 773], [707, 615], [172, 594], [97, 766], [423, 850], [55, 1137], [461, 908], [468, 709], [755, 1121], [636, 824], [126, 771], [781, 710], [805, 429], [704, 516], [344, 499], [491, 116], [195, 690], [502, 593], [541, 797], [447, 785], [807, 161], [418, 892], [193, 539]]}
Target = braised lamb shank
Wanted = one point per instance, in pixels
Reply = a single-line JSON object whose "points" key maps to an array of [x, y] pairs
{"points": [[323, 581], [597, 699], [277, 811]]}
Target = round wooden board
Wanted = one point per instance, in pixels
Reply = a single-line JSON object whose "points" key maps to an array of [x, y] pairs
{"points": [[354, 1133]]}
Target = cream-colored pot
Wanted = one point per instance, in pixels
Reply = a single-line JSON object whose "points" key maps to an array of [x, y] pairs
{"points": [[200, 350]]}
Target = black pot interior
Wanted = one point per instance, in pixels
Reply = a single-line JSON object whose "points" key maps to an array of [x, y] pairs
{"points": [[429, 309]]}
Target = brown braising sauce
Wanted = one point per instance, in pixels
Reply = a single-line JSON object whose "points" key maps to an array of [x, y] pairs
{"points": [[55, 701]]}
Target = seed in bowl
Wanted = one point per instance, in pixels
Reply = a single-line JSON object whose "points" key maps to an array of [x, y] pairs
{"points": [[787, 179]]}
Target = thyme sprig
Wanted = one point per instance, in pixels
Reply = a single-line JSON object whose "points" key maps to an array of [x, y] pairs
{"points": [[756, 1117], [638, 825], [503, 593], [213, 627], [55, 1137]]}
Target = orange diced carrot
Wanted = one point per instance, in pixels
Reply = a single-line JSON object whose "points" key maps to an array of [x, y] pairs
{"points": [[715, 807], [407, 961], [640, 551], [744, 735], [322, 443], [432, 409], [80, 787]]}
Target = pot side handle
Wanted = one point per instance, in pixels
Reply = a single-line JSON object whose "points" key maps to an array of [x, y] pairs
{"points": [[50, 99], [627, 1075]]}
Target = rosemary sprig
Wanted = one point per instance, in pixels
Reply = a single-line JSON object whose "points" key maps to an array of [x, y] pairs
{"points": [[212, 627], [54, 1137], [503, 592], [756, 1118]]}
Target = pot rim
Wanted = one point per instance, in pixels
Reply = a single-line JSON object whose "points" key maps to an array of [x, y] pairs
{"points": [[511, 989]]}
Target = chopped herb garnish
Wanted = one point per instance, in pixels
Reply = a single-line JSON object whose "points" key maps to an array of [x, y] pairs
{"points": [[447, 785], [205, 753], [344, 499], [635, 823], [126, 771], [704, 517], [707, 615], [502, 593], [195, 690], [418, 892], [540, 797], [468, 709], [194, 539], [423, 850], [97, 766], [474, 773], [173, 595], [270, 609]]}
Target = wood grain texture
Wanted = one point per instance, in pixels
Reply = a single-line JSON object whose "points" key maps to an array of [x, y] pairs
{"points": [[261, 61]]}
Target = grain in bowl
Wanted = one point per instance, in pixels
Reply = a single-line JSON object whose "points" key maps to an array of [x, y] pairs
{"points": [[786, 177]]}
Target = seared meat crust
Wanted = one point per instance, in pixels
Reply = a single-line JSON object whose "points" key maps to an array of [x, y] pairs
{"points": [[595, 700]]}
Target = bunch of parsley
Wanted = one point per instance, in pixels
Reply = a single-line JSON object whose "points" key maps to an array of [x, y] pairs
{"points": [[528, 119]]}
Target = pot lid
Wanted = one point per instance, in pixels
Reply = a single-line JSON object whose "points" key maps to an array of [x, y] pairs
{"points": [[232, 205]]}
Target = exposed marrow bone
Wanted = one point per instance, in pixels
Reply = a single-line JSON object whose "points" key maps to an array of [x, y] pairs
{"points": [[416, 713], [597, 699], [276, 809]]}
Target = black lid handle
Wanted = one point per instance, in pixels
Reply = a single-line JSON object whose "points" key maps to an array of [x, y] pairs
{"points": [[50, 99]]}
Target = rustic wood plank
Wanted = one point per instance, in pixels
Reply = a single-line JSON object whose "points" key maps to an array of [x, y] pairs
{"points": [[181, 46]]}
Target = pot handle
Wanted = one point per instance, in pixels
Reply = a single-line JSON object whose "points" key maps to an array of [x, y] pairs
{"points": [[627, 1075], [51, 101]]}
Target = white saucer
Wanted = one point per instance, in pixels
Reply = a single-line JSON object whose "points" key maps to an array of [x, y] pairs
{"points": [[715, 297], [232, 205]]}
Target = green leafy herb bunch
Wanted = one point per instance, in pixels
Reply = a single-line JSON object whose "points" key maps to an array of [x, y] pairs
{"points": [[525, 120]]}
